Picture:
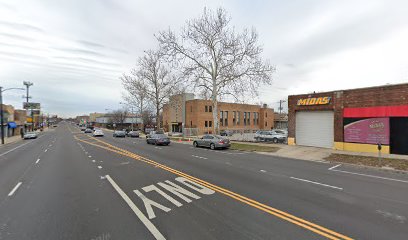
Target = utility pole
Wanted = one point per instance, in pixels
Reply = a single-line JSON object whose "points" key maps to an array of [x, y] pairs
{"points": [[28, 85], [280, 105]]}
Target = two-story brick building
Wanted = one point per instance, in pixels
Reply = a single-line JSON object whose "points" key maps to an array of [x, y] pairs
{"points": [[353, 120], [190, 113]]}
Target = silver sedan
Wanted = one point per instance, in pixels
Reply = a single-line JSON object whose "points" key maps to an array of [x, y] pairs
{"points": [[212, 141]]}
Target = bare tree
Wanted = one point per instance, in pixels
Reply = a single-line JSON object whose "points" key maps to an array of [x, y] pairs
{"points": [[118, 116], [136, 94], [218, 60], [156, 78]]}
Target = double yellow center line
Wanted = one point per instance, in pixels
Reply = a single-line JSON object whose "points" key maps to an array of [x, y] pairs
{"points": [[265, 208]]}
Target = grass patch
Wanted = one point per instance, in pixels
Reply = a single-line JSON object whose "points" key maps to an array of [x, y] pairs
{"points": [[252, 147], [398, 164]]}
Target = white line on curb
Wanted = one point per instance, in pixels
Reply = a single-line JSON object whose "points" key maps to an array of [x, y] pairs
{"points": [[322, 184], [338, 165], [149, 225], [14, 189]]}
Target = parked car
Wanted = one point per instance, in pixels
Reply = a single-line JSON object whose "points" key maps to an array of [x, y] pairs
{"points": [[119, 134], [98, 133], [30, 135], [226, 133], [160, 131], [273, 135], [212, 141], [175, 134], [88, 130], [133, 134], [83, 129], [158, 139]]}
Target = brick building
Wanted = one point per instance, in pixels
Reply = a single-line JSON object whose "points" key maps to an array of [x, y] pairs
{"points": [[353, 120], [197, 114]]}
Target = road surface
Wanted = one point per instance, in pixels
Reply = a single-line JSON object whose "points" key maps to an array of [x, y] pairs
{"points": [[69, 185]]}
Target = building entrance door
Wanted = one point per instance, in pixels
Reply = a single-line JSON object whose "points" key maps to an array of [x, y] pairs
{"points": [[399, 135]]}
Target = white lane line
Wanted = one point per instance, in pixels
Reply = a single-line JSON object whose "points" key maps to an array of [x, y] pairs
{"points": [[14, 189], [93, 161], [89, 156], [372, 176], [149, 225], [321, 184], [50, 145], [199, 157], [45, 150], [262, 170], [100, 167], [14, 149], [158, 147], [338, 165], [36, 162]]}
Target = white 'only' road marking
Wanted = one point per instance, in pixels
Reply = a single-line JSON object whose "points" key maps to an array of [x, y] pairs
{"points": [[317, 183], [14, 189], [149, 225], [365, 175]]}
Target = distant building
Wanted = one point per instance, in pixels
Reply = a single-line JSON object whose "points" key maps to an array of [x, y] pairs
{"points": [[192, 116], [93, 116], [281, 120]]}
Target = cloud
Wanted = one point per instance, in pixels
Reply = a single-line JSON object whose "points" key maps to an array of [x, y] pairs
{"points": [[21, 26]]}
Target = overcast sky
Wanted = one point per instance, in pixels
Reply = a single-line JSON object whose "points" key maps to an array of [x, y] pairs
{"points": [[74, 51]]}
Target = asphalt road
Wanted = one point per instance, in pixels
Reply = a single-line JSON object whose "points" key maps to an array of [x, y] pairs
{"points": [[69, 185]]}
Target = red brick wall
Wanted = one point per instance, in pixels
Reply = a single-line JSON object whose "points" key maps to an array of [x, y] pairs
{"points": [[392, 95]]}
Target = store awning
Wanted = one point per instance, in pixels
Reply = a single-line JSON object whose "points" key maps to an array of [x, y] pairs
{"points": [[12, 125]]}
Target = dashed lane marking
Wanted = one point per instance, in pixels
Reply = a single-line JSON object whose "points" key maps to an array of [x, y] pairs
{"points": [[14, 189], [317, 183], [38, 160]]}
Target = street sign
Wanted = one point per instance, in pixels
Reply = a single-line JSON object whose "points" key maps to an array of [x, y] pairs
{"points": [[31, 105]]}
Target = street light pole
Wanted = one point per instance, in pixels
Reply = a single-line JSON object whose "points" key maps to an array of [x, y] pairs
{"points": [[1, 111]]}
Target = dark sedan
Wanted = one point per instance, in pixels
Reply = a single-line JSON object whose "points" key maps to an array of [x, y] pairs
{"points": [[133, 134], [158, 139], [119, 134]]}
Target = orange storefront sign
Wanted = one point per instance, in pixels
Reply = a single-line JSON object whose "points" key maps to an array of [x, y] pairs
{"points": [[313, 101]]}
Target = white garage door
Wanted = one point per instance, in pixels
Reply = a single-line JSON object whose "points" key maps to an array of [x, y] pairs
{"points": [[315, 128]]}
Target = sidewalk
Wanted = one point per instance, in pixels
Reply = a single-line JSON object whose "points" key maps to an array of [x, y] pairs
{"points": [[316, 153]]}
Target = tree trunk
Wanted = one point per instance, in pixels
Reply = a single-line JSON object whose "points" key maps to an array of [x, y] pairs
{"points": [[214, 99], [158, 117]]}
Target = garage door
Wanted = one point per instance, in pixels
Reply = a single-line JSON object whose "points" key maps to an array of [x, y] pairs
{"points": [[315, 128]]}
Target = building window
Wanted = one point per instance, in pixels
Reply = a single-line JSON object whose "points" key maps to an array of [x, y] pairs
{"points": [[266, 114], [206, 123], [238, 118], [245, 118], [254, 118], [206, 108], [266, 124], [234, 118], [249, 118], [210, 123], [226, 118], [257, 118], [191, 123], [210, 108], [221, 118]]}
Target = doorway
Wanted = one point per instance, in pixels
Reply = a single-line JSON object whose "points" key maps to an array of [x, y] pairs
{"points": [[399, 135]]}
